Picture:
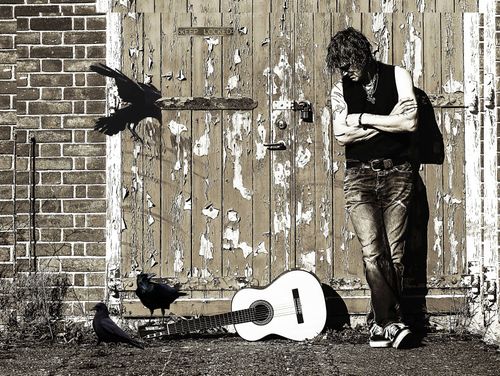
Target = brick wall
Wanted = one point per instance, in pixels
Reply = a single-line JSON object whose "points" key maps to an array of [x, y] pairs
{"points": [[48, 103]]}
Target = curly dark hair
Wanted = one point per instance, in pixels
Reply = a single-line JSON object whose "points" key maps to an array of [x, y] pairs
{"points": [[349, 47]]}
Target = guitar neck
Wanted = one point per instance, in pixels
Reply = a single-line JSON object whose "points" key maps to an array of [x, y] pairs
{"points": [[205, 322]]}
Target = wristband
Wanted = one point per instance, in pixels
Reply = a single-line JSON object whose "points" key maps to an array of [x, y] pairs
{"points": [[359, 122]]}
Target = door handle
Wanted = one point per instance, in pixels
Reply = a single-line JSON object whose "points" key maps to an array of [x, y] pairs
{"points": [[276, 146]]}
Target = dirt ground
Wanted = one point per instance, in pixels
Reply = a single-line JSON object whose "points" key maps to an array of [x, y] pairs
{"points": [[333, 353]]}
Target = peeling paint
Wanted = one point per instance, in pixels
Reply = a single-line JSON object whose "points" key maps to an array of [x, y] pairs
{"points": [[281, 173], [261, 248], [381, 32], [210, 211], [248, 271], [176, 128], [421, 5], [187, 204], [206, 247], [303, 217], [261, 150], [325, 131], [303, 157], [236, 57], [178, 261], [308, 261], [387, 6], [241, 126], [202, 145], [412, 58], [453, 86], [282, 221], [232, 82], [232, 216]]}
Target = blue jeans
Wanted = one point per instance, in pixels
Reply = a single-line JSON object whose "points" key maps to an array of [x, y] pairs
{"points": [[377, 203]]}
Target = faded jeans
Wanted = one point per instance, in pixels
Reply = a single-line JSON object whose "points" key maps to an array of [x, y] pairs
{"points": [[377, 203]]}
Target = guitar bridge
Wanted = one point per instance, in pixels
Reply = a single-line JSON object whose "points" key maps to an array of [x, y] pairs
{"points": [[298, 306]]}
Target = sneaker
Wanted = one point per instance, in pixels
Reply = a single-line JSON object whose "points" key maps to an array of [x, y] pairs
{"points": [[377, 338], [399, 334]]}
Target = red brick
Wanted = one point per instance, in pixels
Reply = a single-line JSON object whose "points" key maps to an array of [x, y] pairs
{"points": [[96, 52], [84, 235], [84, 206], [44, 108], [95, 107], [54, 164], [28, 66], [80, 79], [96, 23], [6, 12], [51, 93], [8, 27], [54, 191], [51, 206], [84, 150], [96, 164], [28, 94], [27, 38], [8, 117], [50, 150], [6, 42], [8, 57], [79, 121], [54, 220], [76, 65], [78, 23], [51, 122], [51, 177]]}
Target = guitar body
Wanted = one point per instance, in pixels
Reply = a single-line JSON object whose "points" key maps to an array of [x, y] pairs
{"points": [[293, 306]]}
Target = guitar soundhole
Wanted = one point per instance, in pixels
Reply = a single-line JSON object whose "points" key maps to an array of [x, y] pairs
{"points": [[263, 312]]}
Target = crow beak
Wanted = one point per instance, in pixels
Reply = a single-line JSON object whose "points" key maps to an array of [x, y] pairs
{"points": [[94, 308]]}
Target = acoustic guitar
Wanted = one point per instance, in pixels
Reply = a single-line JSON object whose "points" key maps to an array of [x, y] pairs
{"points": [[292, 306]]}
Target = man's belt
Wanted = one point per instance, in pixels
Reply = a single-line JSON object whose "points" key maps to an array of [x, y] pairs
{"points": [[376, 164]]}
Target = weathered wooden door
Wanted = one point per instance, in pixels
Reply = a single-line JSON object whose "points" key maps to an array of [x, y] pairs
{"points": [[207, 205]]}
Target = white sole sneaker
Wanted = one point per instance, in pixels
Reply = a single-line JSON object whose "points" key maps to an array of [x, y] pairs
{"points": [[384, 343], [403, 339]]}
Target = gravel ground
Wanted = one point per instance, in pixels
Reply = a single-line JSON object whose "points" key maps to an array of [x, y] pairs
{"points": [[334, 353]]}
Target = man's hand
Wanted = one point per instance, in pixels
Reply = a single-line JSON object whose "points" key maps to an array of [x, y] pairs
{"points": [[352, 120], [404, 106]]}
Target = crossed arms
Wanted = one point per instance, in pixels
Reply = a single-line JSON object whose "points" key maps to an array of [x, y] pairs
{"points": [[403, 117]]}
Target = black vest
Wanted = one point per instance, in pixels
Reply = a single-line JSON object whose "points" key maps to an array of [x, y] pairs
{"points": [[385, 144]]}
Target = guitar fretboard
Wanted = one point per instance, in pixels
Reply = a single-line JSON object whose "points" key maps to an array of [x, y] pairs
{"points": [[206, 322]]}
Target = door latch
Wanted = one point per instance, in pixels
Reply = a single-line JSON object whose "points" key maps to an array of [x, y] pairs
{"points": [[304, 107], [276, 146]]}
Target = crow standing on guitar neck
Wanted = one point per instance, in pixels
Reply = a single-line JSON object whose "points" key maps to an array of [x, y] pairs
{"points": [[107, 331], [155, 295], [140, 99]]}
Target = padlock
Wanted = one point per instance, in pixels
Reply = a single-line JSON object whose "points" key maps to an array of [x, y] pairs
{"points": [[305, 109]]}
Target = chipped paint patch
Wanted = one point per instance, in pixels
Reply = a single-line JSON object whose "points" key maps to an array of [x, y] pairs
{"points": [[412, 58], [210, 211], [178, 261], [281, 174], [303, 157], [282, 221], [325, 131], [308, 261], [303, 217], [236, 57], [261, 150], [176, 128], [232, 82], [202, 145], [241, 126], [261, 248], [232, 216], [387, 6], [453, 86], [206, 247], [381, 32]]}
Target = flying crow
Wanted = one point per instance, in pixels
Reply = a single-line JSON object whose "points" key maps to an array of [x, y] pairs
{"points": [[140, 103], [107, 331], [155, 295]]}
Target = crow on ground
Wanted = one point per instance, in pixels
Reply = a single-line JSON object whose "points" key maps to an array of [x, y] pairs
{"points": [[140, 103], [155, 295], [106, 329]]}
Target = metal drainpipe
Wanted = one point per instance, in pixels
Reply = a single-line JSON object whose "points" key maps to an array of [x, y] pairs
{"points": [[14, 206], [32, 250]]}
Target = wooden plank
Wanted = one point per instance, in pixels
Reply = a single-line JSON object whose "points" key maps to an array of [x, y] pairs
{"points": [[445, 6], [237, 141], [236, 7], [453, 137], [407, 49], [207, 103], [176, 138], [305, 6], [132, 235], [207, 151], [327, 6], [462, 6], [451, 302], [377, 27], [144, 6], [304, 153], [170, 6], [353, 6], [347, 255], [473, 220], [323, 158], [261, 129], [282, 195], [151, 150], [433, 174]]}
